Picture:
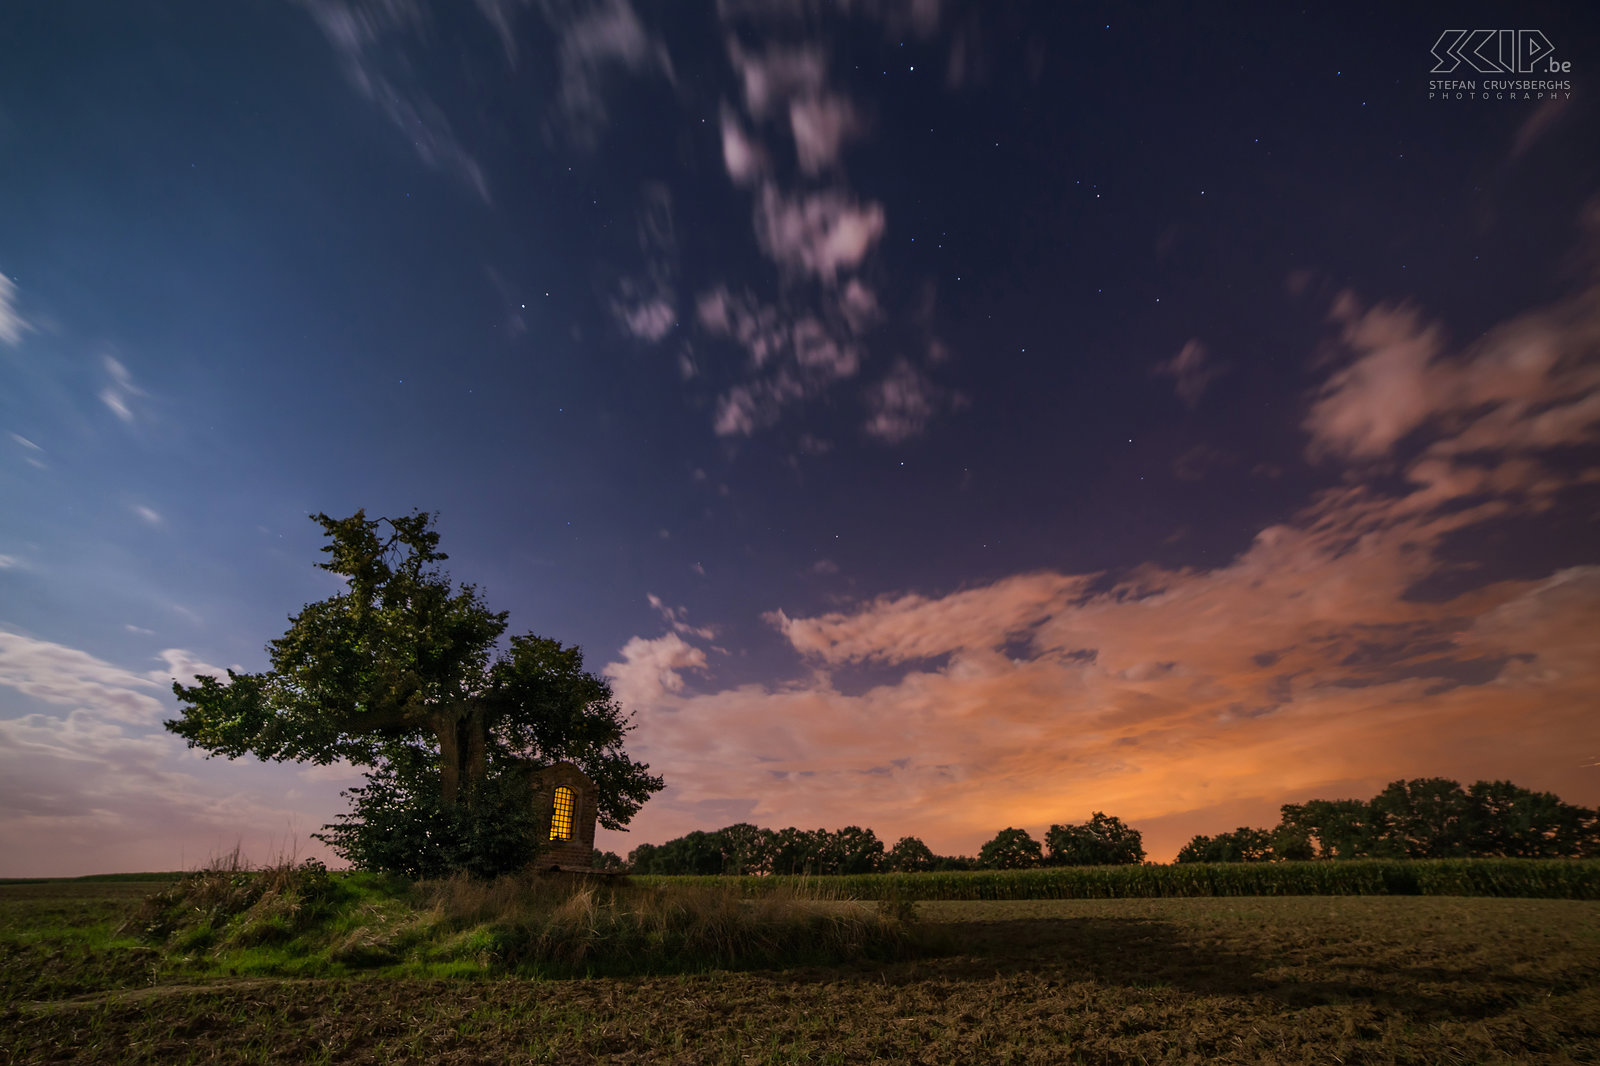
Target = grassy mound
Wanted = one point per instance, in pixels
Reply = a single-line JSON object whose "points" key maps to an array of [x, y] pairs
{"points": [[302, 920]]}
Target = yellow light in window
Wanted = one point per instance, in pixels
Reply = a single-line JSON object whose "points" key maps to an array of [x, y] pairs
{"points": [[561, 817]]}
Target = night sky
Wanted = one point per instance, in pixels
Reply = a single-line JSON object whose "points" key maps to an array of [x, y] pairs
{"points": [[933, 417]]}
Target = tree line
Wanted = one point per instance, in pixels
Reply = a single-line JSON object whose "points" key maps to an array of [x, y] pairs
{"points": [[749, 849], [1425, 818]]}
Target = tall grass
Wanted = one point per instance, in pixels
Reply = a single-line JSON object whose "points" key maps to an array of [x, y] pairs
{"points": [[535, 924], [1528, 878], [281, 919]]}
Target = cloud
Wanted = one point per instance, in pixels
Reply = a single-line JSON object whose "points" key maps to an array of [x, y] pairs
{"points": [[500, 15], [10, 562], [1191, 699], [777, 75], [120, 391], [183, 666], [1294, 669], [645, 307], [649, 321], [83, 795], [899, 629], [597, 39], [902, 404], [1529, 384], [12, 324], [744, 159], [820, 125], [791, 358], [859, 305], [1190, 371], [364, 33], [677, 618], [57, 674], [818, 233], [150, 515], [650, 669]]}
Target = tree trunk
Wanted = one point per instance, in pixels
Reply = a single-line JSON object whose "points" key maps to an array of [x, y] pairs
{"points": [[463, 752], [446, 723]]}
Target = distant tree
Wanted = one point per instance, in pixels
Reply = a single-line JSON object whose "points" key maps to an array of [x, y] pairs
{"points": [[1512, 821], [695, 852], [746, 849], [946, 863], [1011, 849], [1290, 844], [1334, 829], [1101, 841], [1428, 818], [909, 855], [1199, 849], [854, 850], [399, 673], [605, 860], [1242, 845], [798, 851]]}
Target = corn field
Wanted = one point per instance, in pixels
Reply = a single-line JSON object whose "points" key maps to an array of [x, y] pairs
{"points": [[1528, 878]]}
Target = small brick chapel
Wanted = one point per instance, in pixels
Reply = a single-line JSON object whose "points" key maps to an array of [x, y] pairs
{"points": [[568, 803]]}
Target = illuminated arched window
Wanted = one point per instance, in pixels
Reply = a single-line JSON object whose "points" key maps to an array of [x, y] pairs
{"points": [[561, 816]]}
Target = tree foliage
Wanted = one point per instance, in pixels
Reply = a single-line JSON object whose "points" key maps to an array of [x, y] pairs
{"points": [[1423, 818], [1011, 849], [1104, 840], [910, 855], [403, 673]]}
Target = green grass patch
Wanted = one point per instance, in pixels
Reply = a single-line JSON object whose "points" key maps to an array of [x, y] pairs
{"points": [[304, 921]]}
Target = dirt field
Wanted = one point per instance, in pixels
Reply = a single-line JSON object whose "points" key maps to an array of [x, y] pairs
{"points": [[1293, 980]]}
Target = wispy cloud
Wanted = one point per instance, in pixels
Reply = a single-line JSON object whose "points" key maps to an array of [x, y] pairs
{"points": [[645, 306], [12, 324], [649, 320], [677, 618], [817, 233], [903, 403], [119, 392], [366, 34], [820, 126], [57, 674], [791, 357], [743, 157], [774, 76], [149, 514], [1191, 371], [597, 39], [32, 454]]}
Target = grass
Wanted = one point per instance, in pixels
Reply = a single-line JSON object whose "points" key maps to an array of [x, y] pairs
{"points": [[1293, 980], [302, 921], [1527, 878]]}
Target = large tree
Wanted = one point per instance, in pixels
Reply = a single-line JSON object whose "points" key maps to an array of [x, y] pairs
{"points": [[403, 673]]}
